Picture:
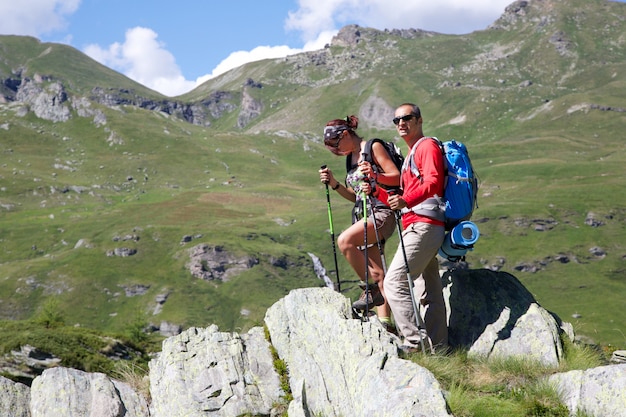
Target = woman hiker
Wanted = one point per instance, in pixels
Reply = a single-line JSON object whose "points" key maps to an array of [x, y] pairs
{"points": [[361, 180]]}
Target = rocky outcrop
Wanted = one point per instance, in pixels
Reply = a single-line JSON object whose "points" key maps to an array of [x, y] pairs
{"points": [[68, 392], [27, 362], [47, 100], [502, 321], [351, 35], [341, 367], [215, 105], [250, 109], [204, 372], [215, 263], [14, 398], [334, 365], [595, 392]]}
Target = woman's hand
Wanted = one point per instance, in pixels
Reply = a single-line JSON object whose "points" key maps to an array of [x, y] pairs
{"points": [[367, 169], [368, 187], [326, 177]]}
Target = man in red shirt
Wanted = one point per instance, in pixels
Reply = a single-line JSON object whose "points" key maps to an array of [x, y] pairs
{"points": [[422, 182]]}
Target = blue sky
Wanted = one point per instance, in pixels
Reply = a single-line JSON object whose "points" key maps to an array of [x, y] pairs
{"points": [[172, 47]]}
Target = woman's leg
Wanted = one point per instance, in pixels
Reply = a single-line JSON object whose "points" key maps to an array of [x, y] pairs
{"points": [[377, 275], [385, 227], [350, 243]]}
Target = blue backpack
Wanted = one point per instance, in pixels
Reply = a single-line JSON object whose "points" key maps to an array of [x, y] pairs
{"points": [[461, 186], [461, 189]]}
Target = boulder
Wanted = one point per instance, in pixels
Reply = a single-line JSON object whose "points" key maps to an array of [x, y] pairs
{"points": [[339, 366], [598, 391], [336, 365], [65, 392], [204, 372], [14, 398], [492, 314]]}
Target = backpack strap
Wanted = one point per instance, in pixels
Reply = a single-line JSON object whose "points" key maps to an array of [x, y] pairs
{"points": [[367, 150], [409, 162], [434, 207], [349, 165]]}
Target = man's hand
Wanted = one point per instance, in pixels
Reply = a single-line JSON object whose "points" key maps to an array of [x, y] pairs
{"points": [[396, 202]]}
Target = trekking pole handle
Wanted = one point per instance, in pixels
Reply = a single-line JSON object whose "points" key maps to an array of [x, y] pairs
{"points": [[396, 212], [324, 167]]}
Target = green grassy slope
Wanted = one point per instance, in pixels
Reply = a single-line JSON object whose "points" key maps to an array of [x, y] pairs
{"points": [[539, 100]]}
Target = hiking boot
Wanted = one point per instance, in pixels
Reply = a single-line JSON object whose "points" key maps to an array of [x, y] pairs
{"points": [[409, 349], [390, 327], [371, 286], [374, 298]]}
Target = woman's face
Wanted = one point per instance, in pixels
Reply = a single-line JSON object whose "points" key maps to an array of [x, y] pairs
{"points": [[340, 145]]}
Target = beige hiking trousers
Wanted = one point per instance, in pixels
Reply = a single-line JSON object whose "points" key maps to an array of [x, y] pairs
{"points": [[422, 242]]}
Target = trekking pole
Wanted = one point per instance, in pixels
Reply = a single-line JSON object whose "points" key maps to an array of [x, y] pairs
{"points": [[332, 234], [367, 280], [416, 309]]}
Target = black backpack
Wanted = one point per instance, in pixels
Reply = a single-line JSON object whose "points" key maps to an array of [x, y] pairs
{"points": [[392, 149]]}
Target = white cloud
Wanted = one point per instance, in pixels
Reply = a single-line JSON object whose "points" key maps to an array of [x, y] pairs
{"points": [[446, 16], [315, 16], [238, 58], [35, 17], [259, 53], [142, 58]]}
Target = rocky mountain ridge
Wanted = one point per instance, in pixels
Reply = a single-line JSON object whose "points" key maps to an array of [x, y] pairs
{"points": [[353, 53]]}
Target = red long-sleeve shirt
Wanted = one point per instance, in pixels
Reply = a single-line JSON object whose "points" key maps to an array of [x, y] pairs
{"points": [[429, 161]]}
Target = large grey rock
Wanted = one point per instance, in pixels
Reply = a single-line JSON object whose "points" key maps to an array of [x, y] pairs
{"points": [[339, 366], [64, 392], [27, 362], [46, 99], [597, 392], [14, 399], [492, 314], [204, 372]]}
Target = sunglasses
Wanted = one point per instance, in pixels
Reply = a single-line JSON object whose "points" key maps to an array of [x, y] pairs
{"points": [[333, 135], [334, 142], [396, 120]]}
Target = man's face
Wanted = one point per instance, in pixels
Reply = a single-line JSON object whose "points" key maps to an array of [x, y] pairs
{"points": [[405, 121]]}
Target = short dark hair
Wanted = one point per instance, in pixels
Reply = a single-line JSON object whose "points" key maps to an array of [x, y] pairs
{"points": [[414, 109]]}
